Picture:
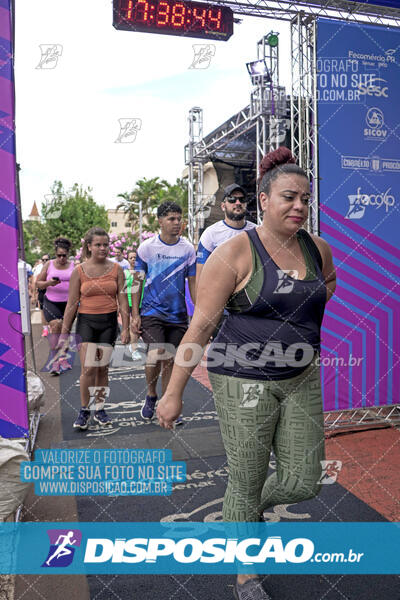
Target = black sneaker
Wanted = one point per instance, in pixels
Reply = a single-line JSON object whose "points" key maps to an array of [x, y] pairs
{"points": [[82, 421], [250, 590], [102, 417]]}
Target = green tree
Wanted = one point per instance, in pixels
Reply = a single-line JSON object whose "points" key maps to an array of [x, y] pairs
{"points": [[152, 192], [177, 192], [31, 230], [70, 213], [149, 192]]}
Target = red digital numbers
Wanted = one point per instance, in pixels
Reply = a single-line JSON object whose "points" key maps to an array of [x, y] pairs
{"points": [[199, 17], [178, 15], [129, 10], [142, 11], [163, 10], [214, 20], [174, 17]]}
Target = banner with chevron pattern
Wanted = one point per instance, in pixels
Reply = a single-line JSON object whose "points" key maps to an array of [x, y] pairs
{"points": [[13, 404], [358, 78]]}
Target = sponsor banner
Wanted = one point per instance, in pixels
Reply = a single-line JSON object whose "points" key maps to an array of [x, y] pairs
{"points": [[359, 163], [113, 472], [199, 548], [371, 163], [13, 403]]}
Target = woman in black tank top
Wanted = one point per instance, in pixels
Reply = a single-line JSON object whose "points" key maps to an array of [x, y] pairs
{"points": [[275, 282]]}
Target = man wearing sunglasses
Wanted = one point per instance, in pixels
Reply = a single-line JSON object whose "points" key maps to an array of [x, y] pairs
{"points": [[234, 207]]}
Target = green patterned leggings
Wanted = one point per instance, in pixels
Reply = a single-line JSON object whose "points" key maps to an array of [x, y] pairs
{"points": [[256, 416]]}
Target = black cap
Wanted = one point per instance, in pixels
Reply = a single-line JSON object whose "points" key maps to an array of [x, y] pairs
{"points": [[231, 188]]}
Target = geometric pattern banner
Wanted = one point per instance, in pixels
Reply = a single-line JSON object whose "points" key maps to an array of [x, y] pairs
{"points": [[358, 91], [13, 403]]}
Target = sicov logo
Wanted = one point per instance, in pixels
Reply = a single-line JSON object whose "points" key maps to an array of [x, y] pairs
{"points": [[375, 121], [62, 547], [358, 203]]}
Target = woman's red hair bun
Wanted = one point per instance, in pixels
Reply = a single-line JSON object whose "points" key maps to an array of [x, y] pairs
{"points": [[280, 156]]}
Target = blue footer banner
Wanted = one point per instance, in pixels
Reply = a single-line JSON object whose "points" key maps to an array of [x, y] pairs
{"points": [[199, 548]]}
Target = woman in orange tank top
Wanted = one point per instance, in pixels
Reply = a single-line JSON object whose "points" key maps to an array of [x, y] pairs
{"points": [[96, 291]]}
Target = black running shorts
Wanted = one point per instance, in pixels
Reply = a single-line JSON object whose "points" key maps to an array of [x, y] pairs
{"points": [[99, 329], [157, 331], [53, 310]]}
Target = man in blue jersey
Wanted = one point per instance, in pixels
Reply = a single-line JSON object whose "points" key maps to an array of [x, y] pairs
{"points": [[164, 261], [234, 205]]}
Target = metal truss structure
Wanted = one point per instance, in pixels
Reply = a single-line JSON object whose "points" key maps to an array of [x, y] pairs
{"points": [[226, 142], [196, 168], [231, 142], [234, 141], [361, 418], [303, 106], [344, 10]]}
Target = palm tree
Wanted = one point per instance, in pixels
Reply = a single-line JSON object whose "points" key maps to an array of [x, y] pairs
{"points": [[178, 193], [149, 192]]}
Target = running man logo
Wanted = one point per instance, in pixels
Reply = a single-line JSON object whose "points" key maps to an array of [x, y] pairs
{"points": [[203, 54], [285, 280], [357, 207], [358, 203], [62, 547], [128, 130], [98, 396], [252, 393], [330, 471], [50, 54]]}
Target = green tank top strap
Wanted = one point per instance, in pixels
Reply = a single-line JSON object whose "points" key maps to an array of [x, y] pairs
{"points": [[311, 272], [246, 297]]}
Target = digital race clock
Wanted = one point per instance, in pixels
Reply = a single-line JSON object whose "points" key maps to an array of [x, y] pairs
{"points": [[174, 17]]}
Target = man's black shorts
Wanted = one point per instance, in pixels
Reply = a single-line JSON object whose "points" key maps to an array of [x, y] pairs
{"points": [[157, 331]]}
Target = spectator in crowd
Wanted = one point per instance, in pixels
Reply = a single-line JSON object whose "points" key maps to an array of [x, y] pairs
{"points": [[54, 280], [234, 206], [97, 292], [40, 297], [119, 258], [165, 261]]}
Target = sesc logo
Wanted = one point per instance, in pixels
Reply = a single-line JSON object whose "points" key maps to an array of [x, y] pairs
{"points": [[62, 547], [375, 121], [375, 86], [359, 202]]}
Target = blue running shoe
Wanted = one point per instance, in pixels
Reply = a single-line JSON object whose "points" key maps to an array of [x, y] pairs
{"points": [[148, 407], [82, 421], [102, 417]]}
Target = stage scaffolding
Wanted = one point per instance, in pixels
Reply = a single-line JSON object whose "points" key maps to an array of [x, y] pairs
{"points": [[266, 110], [264, 114]]}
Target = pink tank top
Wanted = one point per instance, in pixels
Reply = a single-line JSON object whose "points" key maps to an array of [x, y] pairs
{"points": [[59, 292]]}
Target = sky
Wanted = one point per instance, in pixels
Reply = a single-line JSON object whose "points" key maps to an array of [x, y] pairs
{"points": [[67, 117]]}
